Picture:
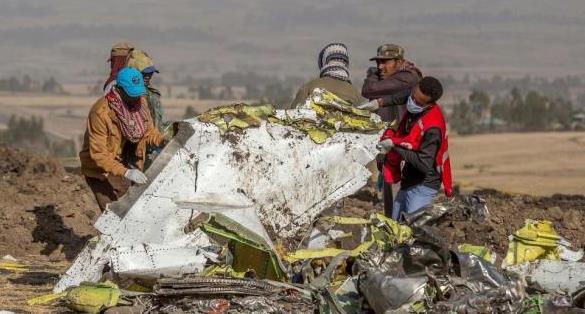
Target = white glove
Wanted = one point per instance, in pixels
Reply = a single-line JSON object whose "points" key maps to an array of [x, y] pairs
{"points": [[136, 176], [385, 146], [371, 105]]}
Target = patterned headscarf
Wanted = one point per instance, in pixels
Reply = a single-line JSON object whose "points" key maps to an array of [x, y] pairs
{"points": [[333, 61], [133, 120]]}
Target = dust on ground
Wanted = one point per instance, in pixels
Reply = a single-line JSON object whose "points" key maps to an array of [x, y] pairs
{"points": [[44, 210], [18, 287], [46, 215], [507, 214]]}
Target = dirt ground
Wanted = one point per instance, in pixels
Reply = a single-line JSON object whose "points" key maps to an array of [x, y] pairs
{"points": [[44, 209], [507, 214], [46, 215], [528, 163]]}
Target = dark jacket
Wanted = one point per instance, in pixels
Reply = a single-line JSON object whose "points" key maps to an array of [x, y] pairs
{"points": [[419, 166], [400, 82]]}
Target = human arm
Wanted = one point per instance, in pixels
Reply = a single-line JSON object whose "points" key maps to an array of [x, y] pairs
{"points": [[374, 87], [98, 147], [396, 99], [423, 159]]}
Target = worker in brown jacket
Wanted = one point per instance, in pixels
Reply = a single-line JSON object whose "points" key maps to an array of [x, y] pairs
{"points": [[393, 76], [387, 86], [119, 128]]}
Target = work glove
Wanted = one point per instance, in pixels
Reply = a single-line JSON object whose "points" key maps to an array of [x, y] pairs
{"points": [[371, 105], [136, 176], [385, 146]]}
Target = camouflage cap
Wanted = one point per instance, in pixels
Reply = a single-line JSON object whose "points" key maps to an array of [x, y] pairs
{"points": [[389, 51]]}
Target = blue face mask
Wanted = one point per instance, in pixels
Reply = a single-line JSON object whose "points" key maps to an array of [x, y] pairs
{"points": [[412, 107]]}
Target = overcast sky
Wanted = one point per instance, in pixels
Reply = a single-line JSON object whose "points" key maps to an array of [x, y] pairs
{"points": [[71, 38]]}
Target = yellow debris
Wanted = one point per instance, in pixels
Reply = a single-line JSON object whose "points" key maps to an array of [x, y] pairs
{"points": [[223, 271], [333, 115], [478, 250], [46, 298], [346, 220], [93, 297], [536, 240], [12, 266], [384, 231]]}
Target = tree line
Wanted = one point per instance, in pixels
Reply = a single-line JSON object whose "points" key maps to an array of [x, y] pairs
{"points": [[29, 133], [27, 84], [514, 112]]}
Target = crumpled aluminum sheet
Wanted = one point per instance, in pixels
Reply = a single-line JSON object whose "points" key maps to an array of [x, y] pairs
{"points": [[274, 171], [385, 292], [478, 271], [425, 215], [552, 275], [505, 299]]}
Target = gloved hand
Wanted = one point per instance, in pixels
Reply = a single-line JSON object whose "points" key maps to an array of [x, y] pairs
{"points": [[136, 176], [372, 71], [385, 146], [371, 105]]}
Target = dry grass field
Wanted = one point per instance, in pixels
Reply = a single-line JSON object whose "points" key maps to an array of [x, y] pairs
{"points": [[529, 163]]}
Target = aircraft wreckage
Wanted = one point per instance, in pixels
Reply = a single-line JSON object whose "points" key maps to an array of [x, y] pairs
{"points": [[230, 222], [272, 179]]}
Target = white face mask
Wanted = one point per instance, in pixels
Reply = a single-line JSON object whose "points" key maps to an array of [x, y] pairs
{"points": [[412, 107]]}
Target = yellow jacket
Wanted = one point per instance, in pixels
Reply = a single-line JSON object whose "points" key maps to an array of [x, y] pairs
{"points": [[101, 153]]}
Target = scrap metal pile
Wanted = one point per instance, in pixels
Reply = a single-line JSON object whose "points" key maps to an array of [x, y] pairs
{"points": [[230, 222]]}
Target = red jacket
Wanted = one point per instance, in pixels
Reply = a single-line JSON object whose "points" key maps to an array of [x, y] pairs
{"points": [[432, 118]]}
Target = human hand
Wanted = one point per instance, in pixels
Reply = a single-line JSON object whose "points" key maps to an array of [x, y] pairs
{"points": [[385, 146], [136, 176], [371, 105]]}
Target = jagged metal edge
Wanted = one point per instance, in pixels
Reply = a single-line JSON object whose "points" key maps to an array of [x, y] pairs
{"points": [[122, 205]]}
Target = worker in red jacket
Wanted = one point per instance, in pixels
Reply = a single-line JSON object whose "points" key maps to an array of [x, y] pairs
{"points": [[421, 142]]}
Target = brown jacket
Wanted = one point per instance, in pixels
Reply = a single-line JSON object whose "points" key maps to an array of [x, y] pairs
{"points": [[101, 154], [342, 89], [398, 82]]}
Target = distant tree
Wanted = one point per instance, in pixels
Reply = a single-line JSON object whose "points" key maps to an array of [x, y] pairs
{"points": [[468, 116], [535, 112], [52, 86], [460, 119], [204, 92]]}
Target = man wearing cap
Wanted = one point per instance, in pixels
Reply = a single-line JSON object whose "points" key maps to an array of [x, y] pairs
{"points": [[387, 86], [118, 57], [141, 61], [393, 76], [119, 128], [333, 63]]}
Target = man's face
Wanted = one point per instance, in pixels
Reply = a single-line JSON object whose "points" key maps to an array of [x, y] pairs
{"points": [[129, 101], [388, 67], [147, 77], [419, 98]]}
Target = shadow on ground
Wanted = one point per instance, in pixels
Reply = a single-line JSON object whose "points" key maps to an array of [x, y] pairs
{"points": [[52, 231], [35, 278]]}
